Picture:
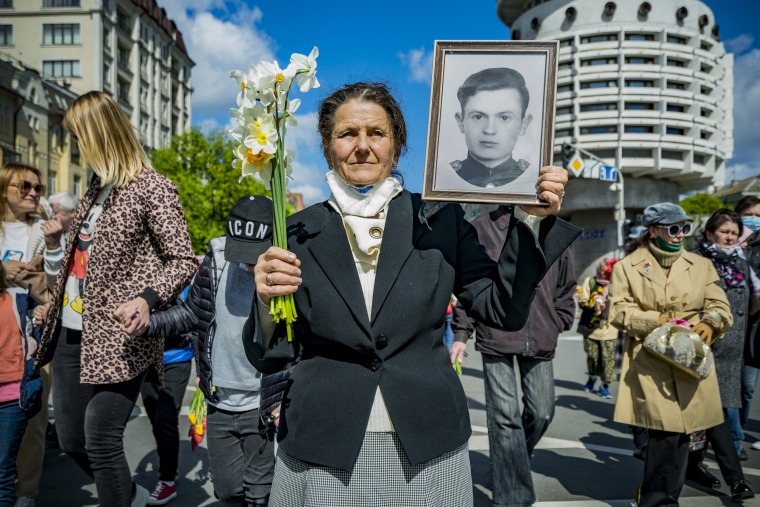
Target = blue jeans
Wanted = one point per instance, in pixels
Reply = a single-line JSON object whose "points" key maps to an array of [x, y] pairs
{"points": [[448, 333], [749, 383], [512, 434], [12, 425], [737, 435]]}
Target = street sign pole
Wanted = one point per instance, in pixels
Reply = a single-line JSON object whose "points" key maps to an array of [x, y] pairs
{"points": [[618, 187]]}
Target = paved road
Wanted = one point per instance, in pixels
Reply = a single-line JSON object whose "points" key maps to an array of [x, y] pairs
{"points": [[584, 460]]}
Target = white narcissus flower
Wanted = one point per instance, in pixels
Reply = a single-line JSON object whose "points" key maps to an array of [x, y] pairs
{"points": [[247, 95], [263, 135], [306, 80], [290, 156], [273, 81], [293, 106], [250, 163]]}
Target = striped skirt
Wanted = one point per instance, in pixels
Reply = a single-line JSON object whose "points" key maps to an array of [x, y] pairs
{"points": [[382, 476]]}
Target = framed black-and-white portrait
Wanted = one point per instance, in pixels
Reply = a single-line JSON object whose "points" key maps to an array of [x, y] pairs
{"points": [[491, 123]]}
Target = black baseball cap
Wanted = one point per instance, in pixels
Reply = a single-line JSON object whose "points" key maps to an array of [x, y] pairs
{"points": [[249, 229]]}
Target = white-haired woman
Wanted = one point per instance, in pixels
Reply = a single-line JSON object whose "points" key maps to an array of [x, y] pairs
{"points": [[130, 244]]}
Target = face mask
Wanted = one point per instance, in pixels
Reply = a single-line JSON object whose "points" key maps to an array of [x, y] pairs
{"points": [[664, 245], [752, 222], [728, 250]]}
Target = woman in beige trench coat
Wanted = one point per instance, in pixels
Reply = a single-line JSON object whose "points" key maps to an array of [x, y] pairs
{"points": [[655, 283]]}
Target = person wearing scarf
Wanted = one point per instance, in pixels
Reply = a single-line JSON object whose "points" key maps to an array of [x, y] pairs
{"points": [[656, 283], [374, 413], [738, 280]]}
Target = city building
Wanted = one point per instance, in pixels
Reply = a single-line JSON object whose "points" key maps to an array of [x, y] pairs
{"points": [[127, 48], [31, 127], [644, 86]]}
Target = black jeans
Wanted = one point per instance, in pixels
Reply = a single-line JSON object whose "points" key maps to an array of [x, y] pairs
{"points": [[725, 453], [90, 421], [240, 456], [664, 469], [163, 405]]}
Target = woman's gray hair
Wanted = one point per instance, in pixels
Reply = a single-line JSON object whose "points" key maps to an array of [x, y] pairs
{"points": [[66, 200]]}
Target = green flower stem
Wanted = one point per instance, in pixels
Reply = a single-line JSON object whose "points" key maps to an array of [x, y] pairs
{"points": [[281, 307]]}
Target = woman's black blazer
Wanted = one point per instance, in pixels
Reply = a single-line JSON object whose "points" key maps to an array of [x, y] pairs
{"points": [[345, 354]]}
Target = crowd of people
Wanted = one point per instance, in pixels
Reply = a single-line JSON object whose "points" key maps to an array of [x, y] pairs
{"points": [[362, 407]]}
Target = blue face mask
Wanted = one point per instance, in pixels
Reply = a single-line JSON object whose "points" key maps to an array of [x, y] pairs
{"points": [[752, 222]]}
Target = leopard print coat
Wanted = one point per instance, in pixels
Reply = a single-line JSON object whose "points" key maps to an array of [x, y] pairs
{"points": [[141, 247]]}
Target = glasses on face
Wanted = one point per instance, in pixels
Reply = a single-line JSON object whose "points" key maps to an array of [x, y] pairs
{"points": [[675, 229], [27, 186]]}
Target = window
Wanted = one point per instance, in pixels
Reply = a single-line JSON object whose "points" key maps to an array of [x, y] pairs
{"points": [[564, 110], [675, 131], [123, 91], [604, 106], [61, 68], [77, 186], [598, 84], [51, 182], [704, 90], [122, 20], [598, 61], [639, 83], [6, 4], [567, 64], [107, 74], [106, 38], [672, 155], [599, 129], [703, 134], [672, 62], [123, 58], [639, 106], [639, 60], [636, 153], [6, 35], [675, 108], [639, 36], [699, 159], [599, 38], [638, 129], [675, 39], [675, 85], [705, 68], [565, 43], [60, 3], [705, 112], [565, 88], [61, 35], [610, 153], [563, 133], [705, 45]]}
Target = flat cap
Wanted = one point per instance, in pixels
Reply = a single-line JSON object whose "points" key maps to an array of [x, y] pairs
{"points": [[664, 213]]}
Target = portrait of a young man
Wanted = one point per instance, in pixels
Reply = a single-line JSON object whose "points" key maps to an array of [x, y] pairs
{"points": [[492, 117]]}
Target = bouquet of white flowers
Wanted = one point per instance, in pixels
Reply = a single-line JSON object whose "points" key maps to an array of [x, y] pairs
{"points": [[263, 115]]}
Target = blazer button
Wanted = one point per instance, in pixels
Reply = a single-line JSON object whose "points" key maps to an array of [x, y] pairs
{"points": [[381, 342], [740, 313], [375, 365]]}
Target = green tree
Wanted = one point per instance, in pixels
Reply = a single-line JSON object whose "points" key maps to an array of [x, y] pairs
{"points": [[201, 167], [702, 204]]}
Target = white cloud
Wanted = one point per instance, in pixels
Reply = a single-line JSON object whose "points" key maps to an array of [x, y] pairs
{"points": [[740, 43], [420, 64], [308, 172], [746, 113], [738, 172]]}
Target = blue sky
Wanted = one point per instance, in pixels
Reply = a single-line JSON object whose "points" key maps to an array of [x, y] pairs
{"points": [[392, 41]]}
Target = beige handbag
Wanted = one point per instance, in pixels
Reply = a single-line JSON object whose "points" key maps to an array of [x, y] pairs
{"points": [[681, 348]]}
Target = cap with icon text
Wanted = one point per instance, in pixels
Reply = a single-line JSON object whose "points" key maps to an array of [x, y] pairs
{"points": [[249, 229]]}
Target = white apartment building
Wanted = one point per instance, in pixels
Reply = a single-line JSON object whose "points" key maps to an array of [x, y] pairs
{"points": [[645, 86], [128, 48]]}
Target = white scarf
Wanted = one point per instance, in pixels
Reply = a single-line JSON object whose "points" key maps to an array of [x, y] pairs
{"points": [[363, 213]]}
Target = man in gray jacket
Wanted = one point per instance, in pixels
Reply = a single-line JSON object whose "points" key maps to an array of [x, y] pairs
{"points": [[513, 435]]}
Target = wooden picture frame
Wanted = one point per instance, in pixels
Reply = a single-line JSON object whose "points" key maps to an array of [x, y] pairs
{"points": [[491, 124]]}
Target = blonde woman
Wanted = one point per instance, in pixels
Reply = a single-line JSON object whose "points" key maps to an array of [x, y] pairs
{"points": [[128, 253], [21, 239]]}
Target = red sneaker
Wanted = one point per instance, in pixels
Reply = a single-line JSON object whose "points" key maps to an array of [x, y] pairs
{"points": [[162, 494]]}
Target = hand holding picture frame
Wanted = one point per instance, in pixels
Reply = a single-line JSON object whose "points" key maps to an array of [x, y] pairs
{"points": [[491, 123]]}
